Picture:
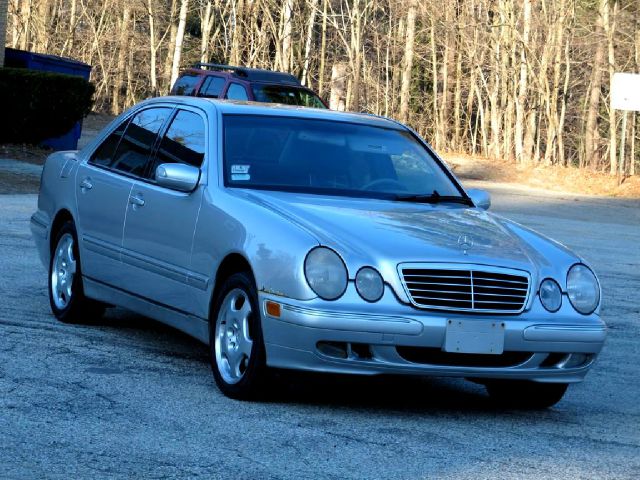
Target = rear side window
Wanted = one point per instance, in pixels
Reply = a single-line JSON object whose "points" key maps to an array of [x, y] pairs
{"points": [[212, 87], [135, 147], [104, 153], [184, 141], [286, 95], [185, 85], [237, 92]]}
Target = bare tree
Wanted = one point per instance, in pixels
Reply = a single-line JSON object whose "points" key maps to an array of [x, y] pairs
{"points": [[177, 52], [500, 78]]}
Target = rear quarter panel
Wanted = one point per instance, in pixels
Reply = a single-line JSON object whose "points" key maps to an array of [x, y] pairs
{"points": [[57, 193]]}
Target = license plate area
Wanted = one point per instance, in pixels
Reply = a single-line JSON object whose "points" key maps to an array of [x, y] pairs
{"points": [[474, 336]]}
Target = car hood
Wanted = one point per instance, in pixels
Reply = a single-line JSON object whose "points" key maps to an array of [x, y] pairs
{"points": [[382, 232]]}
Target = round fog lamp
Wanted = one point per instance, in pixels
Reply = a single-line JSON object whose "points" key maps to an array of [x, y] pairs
{"points": [[550, 295], [369, 284]]}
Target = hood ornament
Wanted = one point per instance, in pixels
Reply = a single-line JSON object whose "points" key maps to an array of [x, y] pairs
{"points": [[465, 242]]}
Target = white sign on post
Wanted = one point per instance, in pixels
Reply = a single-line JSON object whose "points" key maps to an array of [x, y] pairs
{"points": [[625, 92]]}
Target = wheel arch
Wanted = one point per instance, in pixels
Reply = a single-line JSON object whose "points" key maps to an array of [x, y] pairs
{"points": [[232, 263], [63, 215]]}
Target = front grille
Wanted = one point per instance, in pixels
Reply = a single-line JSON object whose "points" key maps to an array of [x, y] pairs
{"points": [[473, 289], [435, 356]]}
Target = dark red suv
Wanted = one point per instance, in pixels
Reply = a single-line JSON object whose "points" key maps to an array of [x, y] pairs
{"points": [[239, 83]]}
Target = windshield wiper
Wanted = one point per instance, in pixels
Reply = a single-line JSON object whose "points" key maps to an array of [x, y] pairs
{"points": [[433, 198]]}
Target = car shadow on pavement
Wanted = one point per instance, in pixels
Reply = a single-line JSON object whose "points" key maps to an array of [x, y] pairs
{"points": [[388, 392]]}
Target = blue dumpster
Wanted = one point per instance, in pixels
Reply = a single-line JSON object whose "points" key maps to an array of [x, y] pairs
{"points": [[51, 63]]}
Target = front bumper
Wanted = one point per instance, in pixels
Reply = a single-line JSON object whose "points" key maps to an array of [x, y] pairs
{"points": [[351, 336]]}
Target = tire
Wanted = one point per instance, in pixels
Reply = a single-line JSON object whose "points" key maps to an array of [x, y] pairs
{"points": [[237, 352], [525, 394], [66, 294]]}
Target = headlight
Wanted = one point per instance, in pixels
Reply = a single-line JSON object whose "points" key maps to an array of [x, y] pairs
{"points": [[369, 284], [550, 295], [583, 289], [326, 273]]}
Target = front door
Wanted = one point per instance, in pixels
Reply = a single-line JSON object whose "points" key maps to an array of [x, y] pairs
{"points": [[103, 190], [160, 222]]}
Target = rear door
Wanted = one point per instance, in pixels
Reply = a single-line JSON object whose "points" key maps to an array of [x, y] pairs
{"points": [[160, 222], [103, 188], [236, 91], [186, 85], [212, 86]]}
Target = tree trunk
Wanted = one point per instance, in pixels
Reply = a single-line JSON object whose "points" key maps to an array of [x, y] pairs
{"points": [[286, 39], [405, 91], [623, 143], [591, 124], [177, 52], [493, 92], [153, 51], [173, 32], [443, 111], [434, 83], [338, 87], [323, 47], [563, 108], [122, 59], [235, 57], [25, 12], [353, 94], [206, 23], [551, 151], [307, 47], [609, 20], [522, 84]]}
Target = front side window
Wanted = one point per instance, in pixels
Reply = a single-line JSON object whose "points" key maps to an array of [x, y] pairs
{"points": [[286, 95], [184, 141], [134, 149], [103, 155], [212, 87], [334, 158], [237, 92], [185, 85]]}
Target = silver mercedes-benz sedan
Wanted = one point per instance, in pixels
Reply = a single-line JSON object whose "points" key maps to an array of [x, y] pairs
{"points": [[308, 239]]}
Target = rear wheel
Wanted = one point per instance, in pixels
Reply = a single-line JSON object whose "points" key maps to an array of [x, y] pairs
{"points": [[237, 351], [525, 394], [66, 295]]}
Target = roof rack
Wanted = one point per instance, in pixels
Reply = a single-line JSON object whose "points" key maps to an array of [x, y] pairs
{"points": [[218, 66], [252, 74]]}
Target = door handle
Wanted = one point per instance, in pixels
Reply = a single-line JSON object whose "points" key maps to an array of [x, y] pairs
{"points": [[136, 200], [86, 184]]}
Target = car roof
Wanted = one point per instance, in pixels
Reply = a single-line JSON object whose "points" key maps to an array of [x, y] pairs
{"points": [[233, 107], [244, 73]]}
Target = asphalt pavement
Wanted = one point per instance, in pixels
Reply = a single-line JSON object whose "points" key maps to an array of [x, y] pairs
{"points": [[128, 397]]}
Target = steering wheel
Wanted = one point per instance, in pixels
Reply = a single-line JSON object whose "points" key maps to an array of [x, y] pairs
{"points": [[383, 182]]}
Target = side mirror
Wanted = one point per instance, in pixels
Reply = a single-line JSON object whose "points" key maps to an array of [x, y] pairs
{"points": [[178, 176], [480, 198]]}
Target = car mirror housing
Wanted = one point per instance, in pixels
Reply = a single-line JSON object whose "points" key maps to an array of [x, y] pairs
{"points": [[178, 176], [480, 198]]}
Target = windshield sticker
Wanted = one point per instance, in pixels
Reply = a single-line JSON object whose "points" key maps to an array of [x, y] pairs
{"points": [[240, 176], [240, 168]]}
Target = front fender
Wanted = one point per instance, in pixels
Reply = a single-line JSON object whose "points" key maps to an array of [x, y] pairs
{"points": [[275, 248]]}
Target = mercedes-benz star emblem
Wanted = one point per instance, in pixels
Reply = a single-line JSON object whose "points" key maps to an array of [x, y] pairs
{"points": [[465, 242]]}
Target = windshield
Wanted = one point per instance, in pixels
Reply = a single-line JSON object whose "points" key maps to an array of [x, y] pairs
{"points": [[286, 95], [332, 158]]}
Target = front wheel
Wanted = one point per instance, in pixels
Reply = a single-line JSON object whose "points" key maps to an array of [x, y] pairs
{"points": [[66, 295], [237, 351], [525, 394]]}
